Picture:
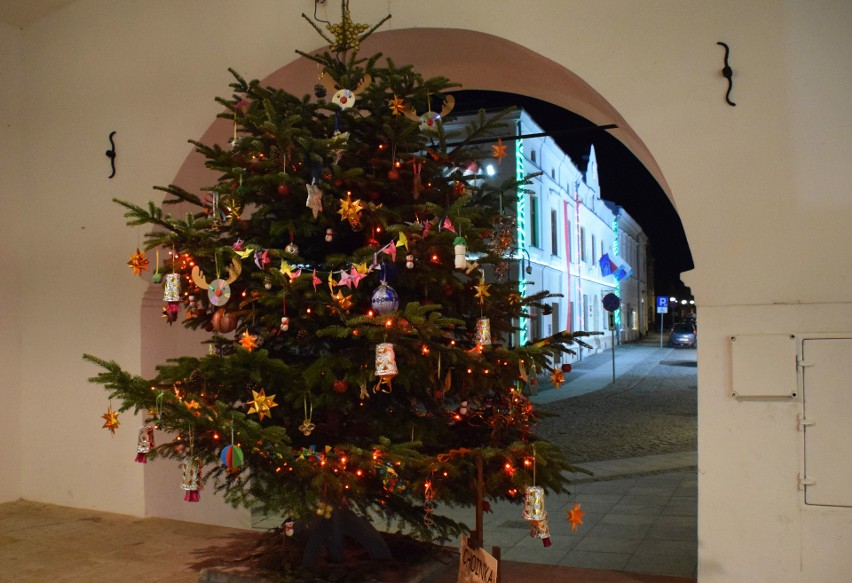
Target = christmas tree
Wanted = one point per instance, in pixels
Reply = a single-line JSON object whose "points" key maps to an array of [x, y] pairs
{"points": [[356, 274]]}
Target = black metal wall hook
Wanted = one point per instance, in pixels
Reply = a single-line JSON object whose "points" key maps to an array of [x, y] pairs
{"points": [[111, 154], [728, 74]]}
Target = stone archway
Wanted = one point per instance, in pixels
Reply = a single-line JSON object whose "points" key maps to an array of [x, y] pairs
{"points": [[490, 63]]}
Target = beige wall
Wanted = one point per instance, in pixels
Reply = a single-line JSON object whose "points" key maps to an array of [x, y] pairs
{"points": [[11, 187], [762, 189]]}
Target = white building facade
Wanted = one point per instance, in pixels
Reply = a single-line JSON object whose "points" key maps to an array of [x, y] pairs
{"points": [[564, 229]]}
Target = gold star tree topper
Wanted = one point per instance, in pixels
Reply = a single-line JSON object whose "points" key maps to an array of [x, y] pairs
{"points": [[346, 34]]}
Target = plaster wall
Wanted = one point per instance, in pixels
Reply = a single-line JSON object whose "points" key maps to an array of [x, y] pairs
{"points": [[761, 188], [12, 185]]}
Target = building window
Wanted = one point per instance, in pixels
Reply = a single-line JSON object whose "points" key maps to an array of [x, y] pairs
{"points": [[554, 233], [583, 257], [554, 322], [532, 156], [594, 245], [534, 221], [553, 173]]}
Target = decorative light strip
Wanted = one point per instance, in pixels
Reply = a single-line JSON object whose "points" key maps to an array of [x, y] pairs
{"points": [[521, 217]]}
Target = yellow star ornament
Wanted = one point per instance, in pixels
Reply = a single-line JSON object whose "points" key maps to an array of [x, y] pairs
{"points": [[350, 210], [481, 291], [110, 420], [575, 516], [343, 302], [261, 404], [397, 105]]}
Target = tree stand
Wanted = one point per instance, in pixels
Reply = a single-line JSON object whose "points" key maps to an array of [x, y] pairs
{"points": [[330, 532]]}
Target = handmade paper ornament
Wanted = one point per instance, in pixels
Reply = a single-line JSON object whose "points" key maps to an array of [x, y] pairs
{"points": [[249, 341], [350, 210], [482, 334], [460, 251], [541, 529], [171, 295], [285, 323], [409, 261], [232, 457], [138, 262], [575, 516], [385, 299], [144, 443], [557, 377], [385, 366], [261, 404], [314, 200], [190, 480], [430, 119], [110, 420], [218, 290], [329, 235], [534, 503]]}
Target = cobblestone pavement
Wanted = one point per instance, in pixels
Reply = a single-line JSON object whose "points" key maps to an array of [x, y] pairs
{"points": [[650, 409]]}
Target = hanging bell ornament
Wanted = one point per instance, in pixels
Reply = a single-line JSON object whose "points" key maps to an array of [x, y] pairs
{"points": [[144, 443], [482, 334], [191, 479], [541, 529], [291, 249], [409, 261], [386, 360], [534, 503], [385, 299], [460, 250], [329, 235], [285, 323]]}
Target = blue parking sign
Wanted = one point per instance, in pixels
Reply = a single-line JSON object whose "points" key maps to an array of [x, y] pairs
{"points": [[662, 305]]}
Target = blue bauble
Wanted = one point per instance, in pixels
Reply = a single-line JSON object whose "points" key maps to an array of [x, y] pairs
{"points": [[385, 299]]}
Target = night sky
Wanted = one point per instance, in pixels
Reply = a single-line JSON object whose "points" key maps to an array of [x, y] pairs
{"points": [[624, 179]]}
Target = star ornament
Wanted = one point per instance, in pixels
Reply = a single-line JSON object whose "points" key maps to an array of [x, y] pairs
{"points": [[499, 151], [110, 420], [482, 291], [557, 377], [575, 516], [346, 33], [138, 262], [248, 341], [350, 210], [261, 404], [397, 105], [343, 302]]}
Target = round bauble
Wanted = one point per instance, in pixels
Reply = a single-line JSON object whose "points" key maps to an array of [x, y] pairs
{"points": [[385, 299], [291, 249], [566, 368], [223, 322], [340, 385], [393, 174], [283, 189]]}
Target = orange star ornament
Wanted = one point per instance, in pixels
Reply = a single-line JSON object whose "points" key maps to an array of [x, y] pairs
{"points": [[110, 420], [557, 377], [248, 341], [575, 516], [499, 151], [397, 105], [138, 262]]}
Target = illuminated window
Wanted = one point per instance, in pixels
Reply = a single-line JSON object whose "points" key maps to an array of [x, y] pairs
{"points": [[534, 221]]}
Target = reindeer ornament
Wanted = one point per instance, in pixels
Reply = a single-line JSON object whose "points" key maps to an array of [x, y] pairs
{"points": [[218, 290], [342, 97], [429, 120]]}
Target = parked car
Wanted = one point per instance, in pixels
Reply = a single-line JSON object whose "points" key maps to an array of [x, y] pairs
{"points": [[683, 335]]}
